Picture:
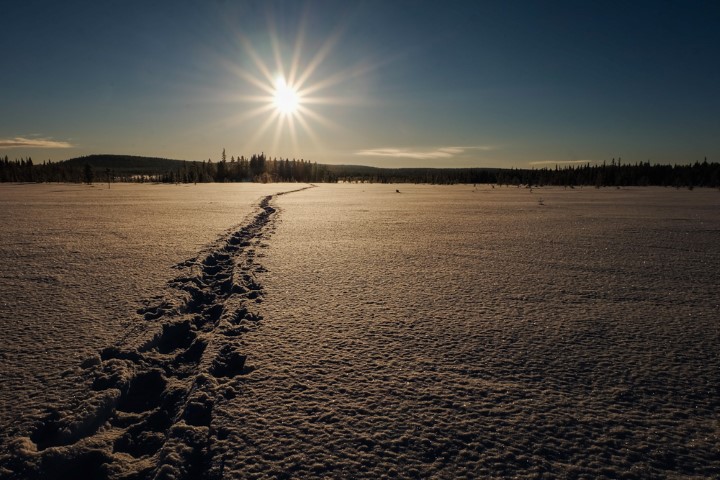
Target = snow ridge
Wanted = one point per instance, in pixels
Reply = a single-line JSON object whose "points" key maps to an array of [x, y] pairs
{"points": [[149, 408]]}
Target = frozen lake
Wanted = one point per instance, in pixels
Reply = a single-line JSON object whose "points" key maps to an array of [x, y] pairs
{"points": [[448, 332]]}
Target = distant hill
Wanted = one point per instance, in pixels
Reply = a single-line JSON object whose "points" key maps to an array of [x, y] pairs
{"points": [[138, 165], [126, 164], [258, 168], [413, 174], [353, 170], [366, 170]]}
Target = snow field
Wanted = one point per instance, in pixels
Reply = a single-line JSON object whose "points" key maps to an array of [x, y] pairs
{"points": [[78, 261], [352, 331], [444, 332]]}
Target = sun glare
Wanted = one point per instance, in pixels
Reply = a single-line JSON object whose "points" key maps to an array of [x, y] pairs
{"points": [[285, 98], [291, 93]]}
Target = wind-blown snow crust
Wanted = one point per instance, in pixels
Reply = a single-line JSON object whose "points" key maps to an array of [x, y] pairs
{"points": [[148, 409], [474, 333], [412, 332]]}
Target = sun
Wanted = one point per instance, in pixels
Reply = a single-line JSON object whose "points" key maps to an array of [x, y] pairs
{"points": [[286, 99], [293, 91]]}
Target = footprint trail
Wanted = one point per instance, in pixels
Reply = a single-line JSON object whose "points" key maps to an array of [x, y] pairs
{"points": [[148, 412]]}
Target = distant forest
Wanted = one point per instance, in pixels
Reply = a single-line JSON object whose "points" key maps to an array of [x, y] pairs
{"points": [[259, 168], [612, 174], [127, 168]]}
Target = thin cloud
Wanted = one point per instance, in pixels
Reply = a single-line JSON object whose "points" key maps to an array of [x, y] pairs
{"points": [[561, 162], [441, 152], [32, 143]]}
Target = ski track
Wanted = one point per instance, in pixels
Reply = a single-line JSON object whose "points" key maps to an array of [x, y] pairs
{"points": [[149, 408]]}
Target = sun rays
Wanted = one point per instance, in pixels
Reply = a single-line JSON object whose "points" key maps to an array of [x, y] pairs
{"points": [[282, 93]]}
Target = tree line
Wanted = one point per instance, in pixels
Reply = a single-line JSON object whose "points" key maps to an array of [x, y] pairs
{"points": [[613, 174], [24, 170], [125, 168], [256, 168], [260, 168]]}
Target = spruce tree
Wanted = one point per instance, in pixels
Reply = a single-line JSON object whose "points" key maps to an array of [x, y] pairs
{"points": [[88, 174]]}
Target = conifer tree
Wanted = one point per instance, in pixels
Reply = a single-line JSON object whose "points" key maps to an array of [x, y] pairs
{"points": [[88, 174]]}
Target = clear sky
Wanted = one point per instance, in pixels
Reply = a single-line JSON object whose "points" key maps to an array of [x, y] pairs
{"points": [[385, 83]]}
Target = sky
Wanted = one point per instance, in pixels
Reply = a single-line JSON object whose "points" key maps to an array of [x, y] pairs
{"points": [[384, 83]]}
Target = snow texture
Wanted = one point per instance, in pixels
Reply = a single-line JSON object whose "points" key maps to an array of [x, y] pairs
{"points": [[449, 333], [151, 393], [77, 263], [411, 332]]}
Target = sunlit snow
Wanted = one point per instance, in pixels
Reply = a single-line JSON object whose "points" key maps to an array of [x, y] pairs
{"points": [[358, 331]]}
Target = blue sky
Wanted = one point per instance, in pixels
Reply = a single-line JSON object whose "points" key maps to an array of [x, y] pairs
{"points": [[385, 83]]}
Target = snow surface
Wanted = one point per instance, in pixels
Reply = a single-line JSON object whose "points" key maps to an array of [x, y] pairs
{"points": [[78, 261], [350, 331]]}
